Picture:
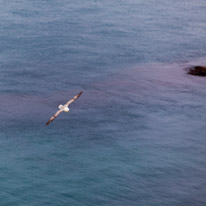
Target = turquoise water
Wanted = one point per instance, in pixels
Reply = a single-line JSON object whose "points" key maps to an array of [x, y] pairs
{"points": [[137, 134]]}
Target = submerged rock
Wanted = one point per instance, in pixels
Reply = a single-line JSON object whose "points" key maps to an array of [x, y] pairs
{"points": [[197, 70]]}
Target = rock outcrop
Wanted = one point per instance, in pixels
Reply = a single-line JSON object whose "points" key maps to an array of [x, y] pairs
{"points": [[197, 70]]}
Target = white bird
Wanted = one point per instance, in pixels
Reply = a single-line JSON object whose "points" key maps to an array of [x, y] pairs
{"points": [[64, 108]]}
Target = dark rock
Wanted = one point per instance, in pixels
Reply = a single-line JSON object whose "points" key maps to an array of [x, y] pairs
{"points": [[197, 70]]}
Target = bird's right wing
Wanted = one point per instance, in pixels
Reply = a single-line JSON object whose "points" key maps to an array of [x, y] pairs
{"points": [[74, 98], [53, 117]]}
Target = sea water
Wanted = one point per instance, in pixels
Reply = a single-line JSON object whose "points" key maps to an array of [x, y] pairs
{"points": [[136, 136]]}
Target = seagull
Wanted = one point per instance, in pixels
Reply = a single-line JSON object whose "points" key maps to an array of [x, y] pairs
{"points": [[64, 108]]}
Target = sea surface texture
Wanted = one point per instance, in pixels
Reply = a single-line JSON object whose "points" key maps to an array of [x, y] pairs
{"points": [[137, 135]]}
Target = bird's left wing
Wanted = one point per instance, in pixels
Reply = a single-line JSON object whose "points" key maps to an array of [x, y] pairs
{"points": [[74, 98], [53, 117]]}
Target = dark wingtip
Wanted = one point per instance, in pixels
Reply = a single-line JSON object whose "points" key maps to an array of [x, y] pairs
{"points": [[80, 93], [48, 123]]}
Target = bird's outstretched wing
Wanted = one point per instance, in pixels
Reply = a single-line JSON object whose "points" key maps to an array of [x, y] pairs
{"points": [[73, 99], [53, 117]]}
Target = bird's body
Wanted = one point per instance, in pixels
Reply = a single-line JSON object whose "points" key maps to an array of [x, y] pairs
{"points": [[64, 108]]}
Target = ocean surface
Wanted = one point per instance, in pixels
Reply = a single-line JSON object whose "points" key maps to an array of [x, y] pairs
{"points": [[137, 135]]}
